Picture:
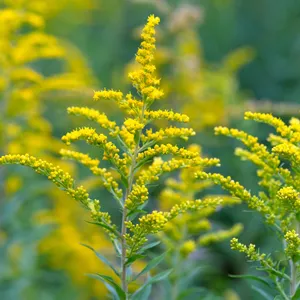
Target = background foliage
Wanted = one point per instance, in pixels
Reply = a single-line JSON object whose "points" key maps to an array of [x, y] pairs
{"points": [[217, 59]]}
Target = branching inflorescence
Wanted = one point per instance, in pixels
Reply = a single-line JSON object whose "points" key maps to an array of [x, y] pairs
{"points": [[140, 156], [278, 202]]}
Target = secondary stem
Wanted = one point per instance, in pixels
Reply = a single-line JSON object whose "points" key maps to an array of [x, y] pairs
{"points": [[293, 278]]}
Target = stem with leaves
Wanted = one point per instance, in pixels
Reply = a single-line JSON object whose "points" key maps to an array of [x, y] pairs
{"points": [[125, 212]]}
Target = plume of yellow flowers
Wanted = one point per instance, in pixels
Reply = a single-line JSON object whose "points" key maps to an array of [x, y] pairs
{"points": [[278, 202], [208, 95], [139, 156]]}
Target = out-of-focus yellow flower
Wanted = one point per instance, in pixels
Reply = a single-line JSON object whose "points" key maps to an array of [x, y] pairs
{"points": [[13, 184]]}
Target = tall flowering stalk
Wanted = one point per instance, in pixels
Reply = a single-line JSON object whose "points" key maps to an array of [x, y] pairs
{"points": [[278, 201], [207, 94], [139, 155]]}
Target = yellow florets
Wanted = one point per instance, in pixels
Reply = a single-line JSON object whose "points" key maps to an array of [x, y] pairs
{"points": [[82, 158], [108, 95], [271, 120], [170, 132], [166, 115], [133, 125], [85, 133], [143, 79], [187, 248], [289, 196], [293, 243], [92, 114], [250, 252]]}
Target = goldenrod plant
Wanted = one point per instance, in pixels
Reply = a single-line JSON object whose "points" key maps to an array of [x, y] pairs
{"points": [[190, 233], [278, 201], [140, 155]]}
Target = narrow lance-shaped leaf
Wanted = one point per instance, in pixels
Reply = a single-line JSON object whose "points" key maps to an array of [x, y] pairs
{"points": [[159, 277], [103, 259], [153, 263], [110, 281]]}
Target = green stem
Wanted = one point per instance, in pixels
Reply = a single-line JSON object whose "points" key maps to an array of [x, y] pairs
{"points": [[293, 278], [174, 292], [281, 291], [124, 219], [178, 264], [125, 211]]}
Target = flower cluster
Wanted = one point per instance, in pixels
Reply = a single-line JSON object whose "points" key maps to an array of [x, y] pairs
{"points": [[278, 201]]}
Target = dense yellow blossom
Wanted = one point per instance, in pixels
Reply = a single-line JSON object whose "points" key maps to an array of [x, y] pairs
{"points": [[293, 244], [82, 158], [166, 115], [169, 132], [85, 133], [92, 114], [108, 95], [143, 79]]}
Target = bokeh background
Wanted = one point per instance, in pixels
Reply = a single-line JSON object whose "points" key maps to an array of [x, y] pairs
{"points": [[216, 58]]}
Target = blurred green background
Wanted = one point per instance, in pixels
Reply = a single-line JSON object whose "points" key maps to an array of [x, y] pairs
{"points": [[216, 58]]}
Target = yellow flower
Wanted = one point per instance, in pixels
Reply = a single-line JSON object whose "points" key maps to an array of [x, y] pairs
{"points": [[293, 243], [187, 248], [94, 115], [143, 79], [108, 95]]}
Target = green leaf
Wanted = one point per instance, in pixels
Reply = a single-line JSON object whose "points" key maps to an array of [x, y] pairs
{"points": [[297, 295], [103, 259], [117, 247], [114, 287], [149, 246], [134, 213], [104, 226], [133, 258], [153, 263], [158, 277], [262, 293], [191, 291], [128, 273], [143, 294], [124, 180], [188, 276], [137, 137], [252, 277]]}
